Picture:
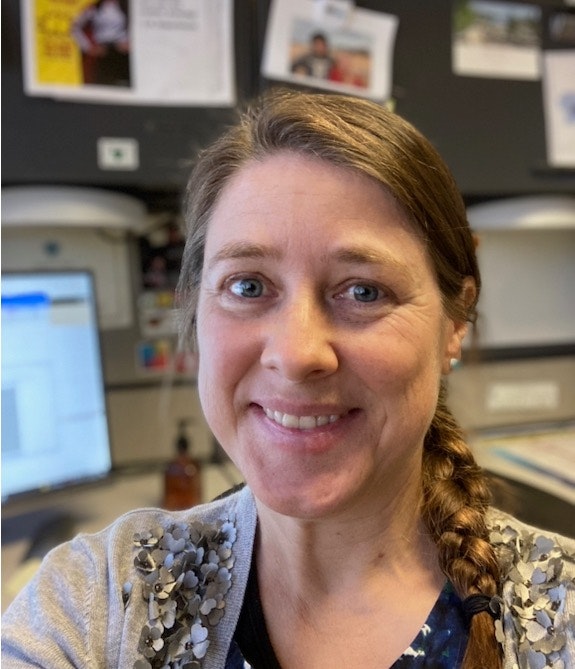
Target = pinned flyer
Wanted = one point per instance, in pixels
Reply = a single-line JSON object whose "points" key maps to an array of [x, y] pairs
{"points": [[162, 52], [332, 46]]}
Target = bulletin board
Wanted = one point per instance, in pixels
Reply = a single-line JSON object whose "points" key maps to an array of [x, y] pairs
{"points": [[490, 129]]}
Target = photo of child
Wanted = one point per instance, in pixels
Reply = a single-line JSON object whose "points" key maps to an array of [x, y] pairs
{"points": [[341, 57]]}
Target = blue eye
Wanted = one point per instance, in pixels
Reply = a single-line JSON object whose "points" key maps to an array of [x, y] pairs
{"points": [[247, 288], [365, 293]]}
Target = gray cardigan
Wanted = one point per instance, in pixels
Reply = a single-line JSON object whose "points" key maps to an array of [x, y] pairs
{"points": [[89, 604]]}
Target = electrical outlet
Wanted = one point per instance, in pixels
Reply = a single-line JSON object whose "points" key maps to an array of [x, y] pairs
{"points": [[118, 153]]}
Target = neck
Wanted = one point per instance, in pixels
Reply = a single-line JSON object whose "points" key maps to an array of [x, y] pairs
{"points": [[385, 540]]}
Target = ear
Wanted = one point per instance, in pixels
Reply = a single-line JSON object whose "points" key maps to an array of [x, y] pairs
{"points": [[457, 329]]}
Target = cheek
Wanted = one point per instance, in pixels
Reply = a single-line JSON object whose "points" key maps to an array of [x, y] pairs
{"points": [[423, 387], [212, 349], [396, 359], [224, 356], [405, 373]]}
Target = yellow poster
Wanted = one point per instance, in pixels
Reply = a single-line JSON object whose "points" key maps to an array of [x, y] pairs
{"points": [[129, 51], [58, 56]]}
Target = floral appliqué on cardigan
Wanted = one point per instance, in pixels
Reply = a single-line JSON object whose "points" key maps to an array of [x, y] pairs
{"points": [[534, 564], [186, 572]]}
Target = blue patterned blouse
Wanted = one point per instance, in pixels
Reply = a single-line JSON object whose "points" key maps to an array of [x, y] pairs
{"points": [[442, 640], [440, 643]]}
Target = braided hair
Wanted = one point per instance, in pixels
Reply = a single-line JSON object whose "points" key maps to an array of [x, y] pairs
{"points": [[366, 137], [456, 498]]}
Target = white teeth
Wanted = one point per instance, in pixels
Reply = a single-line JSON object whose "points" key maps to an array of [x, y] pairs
{"points": [[307, 422], [290, 421], [300, 422]]}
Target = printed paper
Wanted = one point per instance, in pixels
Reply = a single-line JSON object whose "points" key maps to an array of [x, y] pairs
{"points": [[325, 45], [163, 52]]}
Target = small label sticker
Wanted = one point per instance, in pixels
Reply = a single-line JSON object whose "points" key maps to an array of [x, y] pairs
{"points": [[118, 153]]}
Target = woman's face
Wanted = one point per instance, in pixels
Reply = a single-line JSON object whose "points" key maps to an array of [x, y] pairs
{"points": [[321, 334]]}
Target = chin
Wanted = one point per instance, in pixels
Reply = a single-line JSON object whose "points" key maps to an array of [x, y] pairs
{"points": [[300, 503]]}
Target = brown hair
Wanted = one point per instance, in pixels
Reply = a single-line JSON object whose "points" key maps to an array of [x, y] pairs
{"points": [[363, 136]]}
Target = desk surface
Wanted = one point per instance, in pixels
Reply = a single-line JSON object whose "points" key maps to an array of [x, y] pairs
{"points": [[97, 506]]}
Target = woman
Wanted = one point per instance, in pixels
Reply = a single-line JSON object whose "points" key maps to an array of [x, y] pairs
{"points": [[101, 31], [328, 276]]}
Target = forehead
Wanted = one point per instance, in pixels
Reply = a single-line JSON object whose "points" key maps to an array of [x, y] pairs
{"points": [[305, 183], [310, 213]]}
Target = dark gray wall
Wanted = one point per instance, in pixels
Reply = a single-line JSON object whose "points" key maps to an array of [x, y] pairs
{"points": [[490, 131], [53, 142]]}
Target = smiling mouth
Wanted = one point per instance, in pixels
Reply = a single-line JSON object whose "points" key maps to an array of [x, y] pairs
{"points": [[300, 422]]}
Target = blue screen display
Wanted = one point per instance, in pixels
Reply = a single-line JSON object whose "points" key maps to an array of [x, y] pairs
{"points": [[54, 420]]}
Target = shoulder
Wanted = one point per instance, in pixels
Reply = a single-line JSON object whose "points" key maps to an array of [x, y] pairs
{"points": [[538, 591], [530, 556], [112, 544], [92, 587], [515, 541]]}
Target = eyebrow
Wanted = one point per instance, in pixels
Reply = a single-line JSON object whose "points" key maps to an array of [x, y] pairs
{"points": [[365, 255], [352, 255], [239, 250]]}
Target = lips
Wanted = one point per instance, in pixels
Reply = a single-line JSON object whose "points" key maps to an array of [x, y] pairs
{"points": [[300, 422]]}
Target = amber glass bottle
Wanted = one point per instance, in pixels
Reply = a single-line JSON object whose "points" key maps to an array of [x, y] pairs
{"points": [[182, 476]]}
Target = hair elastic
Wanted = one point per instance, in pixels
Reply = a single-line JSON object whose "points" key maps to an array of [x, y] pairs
{"points": [[482, 603]]}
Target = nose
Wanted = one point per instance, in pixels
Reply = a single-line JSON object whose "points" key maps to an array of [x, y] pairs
{"points": [[299, 343]]}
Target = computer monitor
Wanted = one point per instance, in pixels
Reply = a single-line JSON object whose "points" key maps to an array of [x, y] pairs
{"points": [[54, 420]]}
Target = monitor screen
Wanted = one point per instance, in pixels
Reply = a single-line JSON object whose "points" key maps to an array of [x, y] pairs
{"points": [[54, 420]]}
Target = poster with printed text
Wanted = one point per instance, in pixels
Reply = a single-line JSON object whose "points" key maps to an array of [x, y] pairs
{"points": [[162, 52]]}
